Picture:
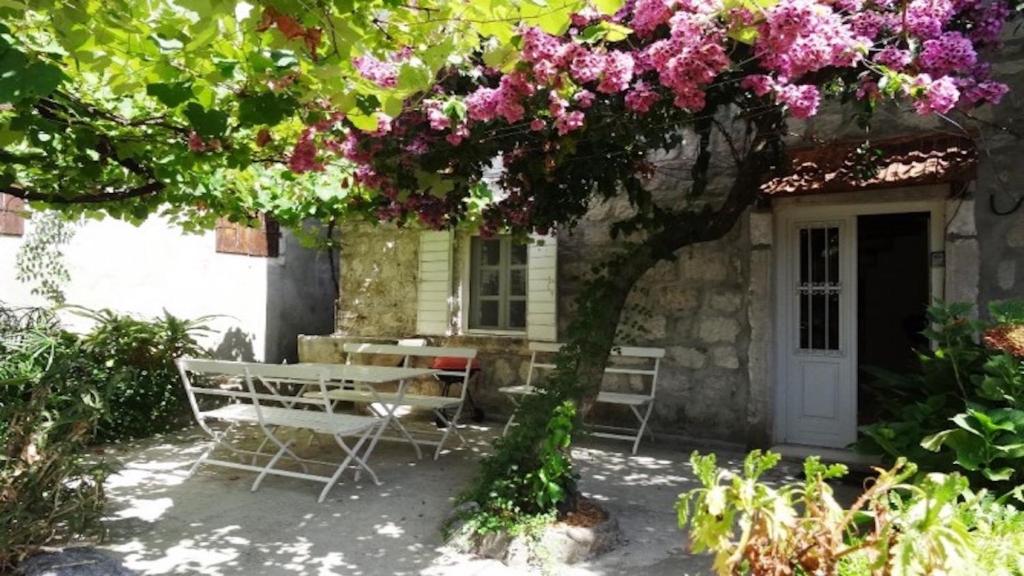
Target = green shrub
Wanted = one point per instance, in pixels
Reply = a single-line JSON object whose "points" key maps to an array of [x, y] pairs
{"points": [[936, 525], [134, 359], [964, 408], [50, 490], [60, 393]]}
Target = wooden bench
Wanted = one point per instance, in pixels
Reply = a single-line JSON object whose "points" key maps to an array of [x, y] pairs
{"points": [[253, 396], [440, 405], [621, 357]]}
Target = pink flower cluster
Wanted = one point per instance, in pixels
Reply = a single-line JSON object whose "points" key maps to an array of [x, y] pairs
{"points": [[802, 36], [304, 154], [929, 52], [939, 96], [505, 101], [948, 53], [383, 74], [691, 57]]}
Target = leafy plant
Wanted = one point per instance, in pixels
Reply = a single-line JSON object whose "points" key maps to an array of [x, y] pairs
{"points": [[135, 358], [40, 260], [972, 379], [50, 489], [934, 526]]}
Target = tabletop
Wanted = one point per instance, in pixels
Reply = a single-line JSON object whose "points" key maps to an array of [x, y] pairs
{"points": [[370, 374]]}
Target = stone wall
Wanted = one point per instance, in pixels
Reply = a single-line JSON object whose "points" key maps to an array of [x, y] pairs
{"points": [[377, 281], [1000, 184]]}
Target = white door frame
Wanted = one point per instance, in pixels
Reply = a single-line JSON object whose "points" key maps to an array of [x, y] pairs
{"points": [[789, 211]]}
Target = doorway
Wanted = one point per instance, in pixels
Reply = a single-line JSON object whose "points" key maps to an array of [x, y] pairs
{"points": [[892, 299], [853, 282]]}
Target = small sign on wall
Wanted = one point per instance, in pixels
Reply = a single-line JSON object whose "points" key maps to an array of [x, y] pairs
{"points": [[938, 259]]}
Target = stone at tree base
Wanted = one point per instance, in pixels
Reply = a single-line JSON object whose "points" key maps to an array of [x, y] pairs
{"points": [[559, 543], [81, 561]]}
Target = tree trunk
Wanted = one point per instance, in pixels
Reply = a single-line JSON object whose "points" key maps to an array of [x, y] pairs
{"points": [[595, 335]]}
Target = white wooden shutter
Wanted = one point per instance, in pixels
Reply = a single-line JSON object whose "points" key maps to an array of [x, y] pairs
{"points": [[433, 313], [542, 295]]}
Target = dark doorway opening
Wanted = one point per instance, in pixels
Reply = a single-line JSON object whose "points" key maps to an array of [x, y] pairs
{"points": [[892, 296]]}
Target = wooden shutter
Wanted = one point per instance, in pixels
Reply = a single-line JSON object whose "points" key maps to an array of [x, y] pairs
{"points": [[12, 223], [542, 295], [433, 312], [263, 240]]}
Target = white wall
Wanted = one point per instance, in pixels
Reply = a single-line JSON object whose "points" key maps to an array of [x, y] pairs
{"points": [[143, 270]]}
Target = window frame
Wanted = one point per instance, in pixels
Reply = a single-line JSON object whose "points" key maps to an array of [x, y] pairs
{"points": [[504, 298]]}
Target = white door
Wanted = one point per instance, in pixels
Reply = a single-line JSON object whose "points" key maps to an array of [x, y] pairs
{"points": [[818, 298]]}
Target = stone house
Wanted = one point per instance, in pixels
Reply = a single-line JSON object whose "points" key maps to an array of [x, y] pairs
{"points": [[768, 331]]}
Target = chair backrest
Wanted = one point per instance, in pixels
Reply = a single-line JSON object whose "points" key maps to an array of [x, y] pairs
{"points": [[650, 365], [409, 352], [258, 384]]}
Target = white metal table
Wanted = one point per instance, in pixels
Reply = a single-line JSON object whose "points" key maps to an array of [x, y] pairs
{"points": [[339, 374]]}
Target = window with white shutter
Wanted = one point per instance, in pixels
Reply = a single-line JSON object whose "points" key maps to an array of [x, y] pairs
{"points": [[498, 284], [433, 310]]}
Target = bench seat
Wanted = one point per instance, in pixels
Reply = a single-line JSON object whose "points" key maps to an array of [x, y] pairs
{"points": [[415, 400], [327, 423], [604, 397]]}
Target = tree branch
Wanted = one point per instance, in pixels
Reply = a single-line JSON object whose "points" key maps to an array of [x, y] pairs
{"points": [[148, 189]]}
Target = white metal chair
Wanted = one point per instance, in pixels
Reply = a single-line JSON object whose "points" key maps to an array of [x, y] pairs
{"points": [[640, 404], [254, 398], [384, 404]]}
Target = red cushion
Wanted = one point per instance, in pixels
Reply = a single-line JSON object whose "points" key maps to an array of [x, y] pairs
{"points": [[453, 364]]}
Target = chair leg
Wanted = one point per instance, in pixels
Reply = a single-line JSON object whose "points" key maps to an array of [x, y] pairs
{"points": [[397, 425], [270, 465], [350, 456], [450, 426], [202, 458], [512, 418], [643, 425], [216, 440]]}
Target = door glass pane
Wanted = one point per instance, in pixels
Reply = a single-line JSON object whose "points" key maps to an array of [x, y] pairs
{"points": [[517, 282], [804, 256], [817, 255], [490, 282], [805, 314], [833, 255], [518, 253], [517, 314], [818, 291], [833, 321], [818, 321], [489, 313], [490, 252]]}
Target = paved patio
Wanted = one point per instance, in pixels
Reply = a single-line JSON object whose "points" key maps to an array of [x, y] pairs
{"points": [[161, 523]]}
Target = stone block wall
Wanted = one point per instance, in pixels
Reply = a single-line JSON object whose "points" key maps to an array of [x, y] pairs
{"points": [[377, 278]]}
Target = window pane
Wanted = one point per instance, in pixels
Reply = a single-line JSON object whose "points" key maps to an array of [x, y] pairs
{"points": [[490, 252], [517, 282], [518, 254], [517, 314], [489, 313], [490, 282]]}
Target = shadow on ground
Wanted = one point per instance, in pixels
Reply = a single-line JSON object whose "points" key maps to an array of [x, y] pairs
{"points": [[212, 525]]}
